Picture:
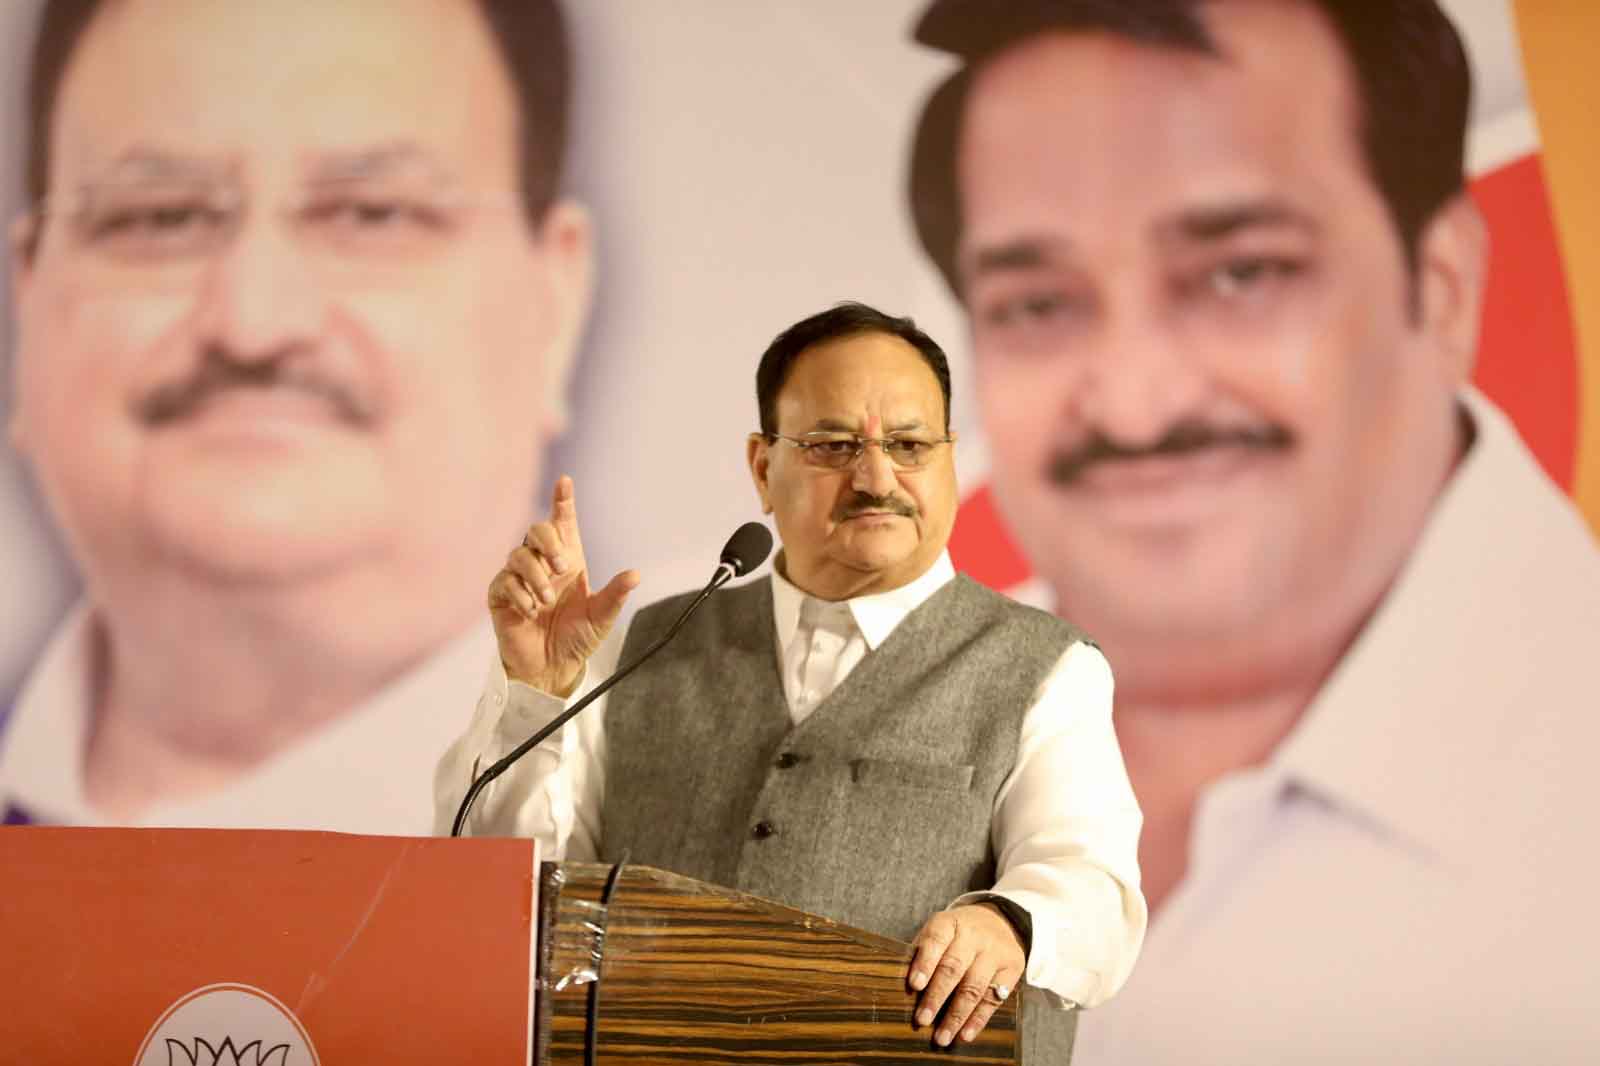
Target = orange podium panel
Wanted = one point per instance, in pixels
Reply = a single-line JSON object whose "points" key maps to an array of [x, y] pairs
{"points": [[159, 947]]}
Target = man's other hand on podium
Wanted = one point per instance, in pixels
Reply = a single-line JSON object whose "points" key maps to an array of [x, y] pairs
{"points": [[968, 960]]}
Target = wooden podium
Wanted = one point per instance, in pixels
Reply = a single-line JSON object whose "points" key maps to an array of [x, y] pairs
{"points": [[263, 948]]}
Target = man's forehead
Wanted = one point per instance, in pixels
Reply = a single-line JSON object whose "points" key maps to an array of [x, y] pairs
{"points": [[1160, 137], [187, 86]]}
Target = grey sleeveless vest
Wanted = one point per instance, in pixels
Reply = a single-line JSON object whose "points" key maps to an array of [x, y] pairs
{"points": [[876, 810]]}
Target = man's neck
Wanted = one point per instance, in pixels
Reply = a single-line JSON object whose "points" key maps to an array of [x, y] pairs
{"points": [[1211, 707], [193, 691], [1174, 752]]}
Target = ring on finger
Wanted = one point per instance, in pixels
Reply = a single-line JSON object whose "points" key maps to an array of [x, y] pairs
{"points": [[1001, 992]]}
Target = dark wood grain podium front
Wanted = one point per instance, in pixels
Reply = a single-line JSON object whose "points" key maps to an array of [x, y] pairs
{"points": [[673, 970]]}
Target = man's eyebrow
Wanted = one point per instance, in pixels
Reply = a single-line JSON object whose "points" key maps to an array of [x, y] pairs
{"points": [[1216, 222], [1210, 222], [378, 160], [145, 162], [1017, 254], [835, 425]]}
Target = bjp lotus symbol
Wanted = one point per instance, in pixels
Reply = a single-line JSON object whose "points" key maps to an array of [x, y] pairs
{"points": [[227, 1025], [252, 1054]]}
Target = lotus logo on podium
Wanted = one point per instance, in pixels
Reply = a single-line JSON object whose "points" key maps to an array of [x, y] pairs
{"points": [[226, 1055], [227, 1025]]}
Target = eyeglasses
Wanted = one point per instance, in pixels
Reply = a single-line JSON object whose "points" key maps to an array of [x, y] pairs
{"points": [[836, 451], [135, 233]]}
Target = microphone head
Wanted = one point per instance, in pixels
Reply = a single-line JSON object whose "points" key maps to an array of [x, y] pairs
{"points": [[748, 548]]}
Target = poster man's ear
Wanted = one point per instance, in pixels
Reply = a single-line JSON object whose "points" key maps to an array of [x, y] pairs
{"points": [[1452, 266], [567, 239]]}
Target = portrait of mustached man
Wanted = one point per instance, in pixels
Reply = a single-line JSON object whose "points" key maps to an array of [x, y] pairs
{"points": [[293, 331], [1224, 278]]}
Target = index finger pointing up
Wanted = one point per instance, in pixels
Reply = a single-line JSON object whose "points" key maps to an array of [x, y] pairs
{"points": [[564, 510]]}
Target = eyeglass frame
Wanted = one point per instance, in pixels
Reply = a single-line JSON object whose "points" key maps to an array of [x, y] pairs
{"points": [[231, 196], [807, 447]]}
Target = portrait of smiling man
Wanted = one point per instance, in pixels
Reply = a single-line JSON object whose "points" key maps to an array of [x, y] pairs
{"points": [[1224, 282], [294, 324]]}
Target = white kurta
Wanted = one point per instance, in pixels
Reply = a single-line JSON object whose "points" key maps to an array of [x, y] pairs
{"points": [[1412, 878]]}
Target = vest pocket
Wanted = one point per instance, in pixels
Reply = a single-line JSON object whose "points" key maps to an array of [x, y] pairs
{"points": [[888, 772]]}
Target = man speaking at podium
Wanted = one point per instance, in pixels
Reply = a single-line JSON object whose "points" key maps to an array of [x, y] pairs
{"points": [[866, 734]]}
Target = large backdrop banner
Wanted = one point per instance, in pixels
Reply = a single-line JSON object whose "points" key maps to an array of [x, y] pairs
{"points": [[310, 303]]}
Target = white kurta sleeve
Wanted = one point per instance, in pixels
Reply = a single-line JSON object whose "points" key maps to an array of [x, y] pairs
{"points": [[554, 793], [1066, 837]]}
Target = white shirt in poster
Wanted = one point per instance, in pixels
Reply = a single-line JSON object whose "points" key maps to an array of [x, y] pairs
{"points": [[1411, 877], [364, 772]]}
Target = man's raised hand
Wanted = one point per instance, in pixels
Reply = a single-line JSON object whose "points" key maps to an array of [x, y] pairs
{"points": [[547, 622]]}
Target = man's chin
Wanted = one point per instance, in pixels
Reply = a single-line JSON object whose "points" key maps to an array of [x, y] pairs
{"points": [[1179, 594], [251, 545]]}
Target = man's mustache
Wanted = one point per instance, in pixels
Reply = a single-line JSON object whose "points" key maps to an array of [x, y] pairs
{"points": [[861, 503], [1183, 438], [173, 401]]}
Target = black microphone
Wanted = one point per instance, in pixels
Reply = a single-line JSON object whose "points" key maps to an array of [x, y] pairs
{"points": [[746, 549]]}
